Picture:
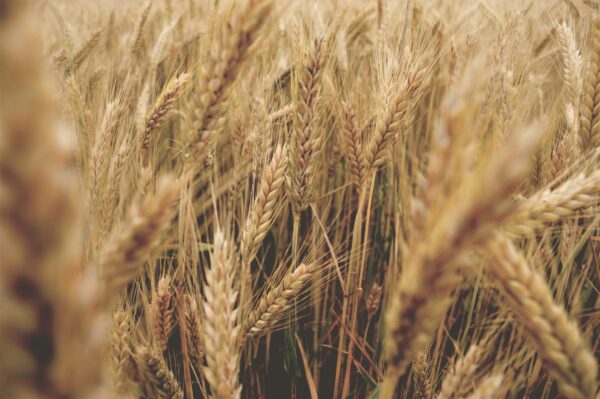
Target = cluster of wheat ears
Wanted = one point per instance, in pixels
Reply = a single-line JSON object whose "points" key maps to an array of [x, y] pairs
{"points": [[299, 199]]}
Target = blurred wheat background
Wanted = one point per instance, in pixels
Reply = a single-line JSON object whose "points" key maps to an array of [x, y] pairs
{"points": [[299, 199]]}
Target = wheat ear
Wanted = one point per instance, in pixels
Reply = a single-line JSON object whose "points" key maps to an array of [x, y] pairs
{"points": [[122, 350], [50, 320], [589, 132], [221, 70], [220, 326], [465, 219], [558, 340], [140, 235], [273, 304], [350, 135], [549, 206], [194, 331], [265, 205], [374, 299], [161, 313], [159, 46], [80, 55], [305, 141], [572, 64], [136, 41], [399, 103], [155, 371], [489, 388], [110, 201], [162, 107], [420, 371], [101, 152], [458, 381]]}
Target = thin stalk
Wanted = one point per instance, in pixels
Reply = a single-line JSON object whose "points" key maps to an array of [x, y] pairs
{"points": [[189, 392], [295, 233], [358, 244], [292, 329]]}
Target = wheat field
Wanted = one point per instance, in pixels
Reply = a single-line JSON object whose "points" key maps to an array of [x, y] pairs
{"points": [[299, 199]]}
